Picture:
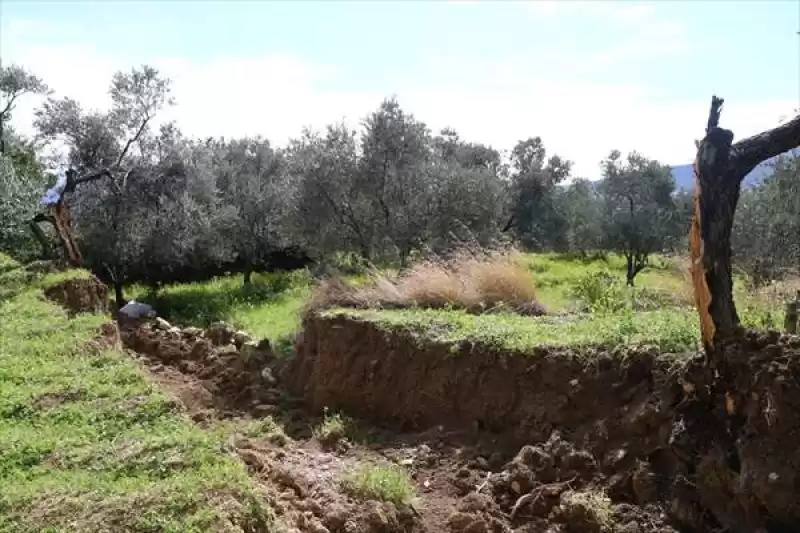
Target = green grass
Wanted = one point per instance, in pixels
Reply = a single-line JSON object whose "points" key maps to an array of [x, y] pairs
{"points": [[388, 483], [658, 311], [555, 275], [670, 330], [85, 439], [267, 310], [54, 278]]}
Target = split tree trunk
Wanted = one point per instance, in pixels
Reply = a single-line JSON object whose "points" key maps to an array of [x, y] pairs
{"points": [[719, 169]]}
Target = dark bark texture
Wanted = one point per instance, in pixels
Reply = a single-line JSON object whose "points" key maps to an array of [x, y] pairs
{"points": [[720, 168]]}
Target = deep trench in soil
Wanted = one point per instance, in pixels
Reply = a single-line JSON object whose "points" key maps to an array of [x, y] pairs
{"points": [[632, 442]]}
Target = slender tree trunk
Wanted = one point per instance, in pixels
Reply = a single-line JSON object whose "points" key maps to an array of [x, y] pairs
{"points": [[47, 248], [248, 276], [119, 294], [631, 270], [719, 168]]}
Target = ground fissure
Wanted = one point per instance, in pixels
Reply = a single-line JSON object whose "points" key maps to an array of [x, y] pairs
{"points": [[557, 441]]}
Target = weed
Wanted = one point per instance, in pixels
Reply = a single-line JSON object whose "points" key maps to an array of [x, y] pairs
{"points": [[389, 483], [464, 281], [331, 430]]}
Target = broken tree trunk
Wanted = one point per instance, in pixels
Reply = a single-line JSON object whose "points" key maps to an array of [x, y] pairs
{"points": [[719, 169], [60, 218]]}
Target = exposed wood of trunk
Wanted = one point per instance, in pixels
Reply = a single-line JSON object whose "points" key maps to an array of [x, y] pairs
{"points": [[61, 220], [719, 170]]}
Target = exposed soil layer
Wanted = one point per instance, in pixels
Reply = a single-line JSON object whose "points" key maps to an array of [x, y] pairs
{"points": [[80, 295], [471, 483], [673, 443]]}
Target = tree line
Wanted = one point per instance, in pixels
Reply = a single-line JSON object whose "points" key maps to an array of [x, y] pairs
{"points": [[177, 208]]}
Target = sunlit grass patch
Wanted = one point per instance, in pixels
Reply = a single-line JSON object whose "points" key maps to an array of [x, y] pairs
{"points": [[85, 438]]}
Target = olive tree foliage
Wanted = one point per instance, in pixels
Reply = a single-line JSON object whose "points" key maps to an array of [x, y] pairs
{"points": [[766, 233], [331, 212], [469, 195], [256, 196], [127, 216], [640, 216], [582, 213], [15, 82], [394, 189], [537, 218], [394, 176], [22, 177]]}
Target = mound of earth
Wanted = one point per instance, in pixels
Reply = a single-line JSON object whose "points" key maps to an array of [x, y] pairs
{"points": [[80, 295], [638, 440]]}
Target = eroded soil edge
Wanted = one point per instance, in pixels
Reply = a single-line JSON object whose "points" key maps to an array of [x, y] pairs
{"points": [[664, 436]]}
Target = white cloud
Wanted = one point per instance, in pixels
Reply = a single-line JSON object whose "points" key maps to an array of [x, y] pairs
{"points": [[501, 103]]}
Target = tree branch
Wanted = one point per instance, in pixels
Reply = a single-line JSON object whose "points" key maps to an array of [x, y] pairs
{"points": [[132, 140], [748, 153]]}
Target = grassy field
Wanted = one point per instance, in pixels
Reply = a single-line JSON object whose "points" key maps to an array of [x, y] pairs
{"points": [[85, 438], [670, 331], [586, 298]]}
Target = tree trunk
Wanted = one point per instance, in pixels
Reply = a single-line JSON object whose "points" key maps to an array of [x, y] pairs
{"points": [[631, 270], [248, 276], [719, 169], [47, 248], [119, 294]]}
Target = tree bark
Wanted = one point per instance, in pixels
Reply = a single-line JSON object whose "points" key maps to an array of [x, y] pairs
{"points": [[720, 167], [119, 294], [630, 273], [47, 247]]}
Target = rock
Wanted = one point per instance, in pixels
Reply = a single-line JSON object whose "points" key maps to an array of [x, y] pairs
{"points": [[193, 332], [241, 337], [220, 333], [162, 324], [268, 377], [134, 309], [249, 349], [201, 350], [226, 349]]}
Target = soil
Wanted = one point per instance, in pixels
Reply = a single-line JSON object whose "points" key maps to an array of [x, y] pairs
{"points": [[80, 295], [552, 441]]}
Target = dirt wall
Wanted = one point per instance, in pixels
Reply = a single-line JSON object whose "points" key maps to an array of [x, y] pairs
{"points": [[719, 446]]}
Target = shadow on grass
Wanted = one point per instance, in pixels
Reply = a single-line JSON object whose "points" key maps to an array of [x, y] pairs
{"points": [[200, 304]]}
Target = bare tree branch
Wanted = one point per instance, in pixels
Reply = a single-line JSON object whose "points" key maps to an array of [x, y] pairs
{"points": [[750, 152]]}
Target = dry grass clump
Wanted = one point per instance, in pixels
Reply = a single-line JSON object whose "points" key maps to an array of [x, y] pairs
{"points": [[474, 281]]}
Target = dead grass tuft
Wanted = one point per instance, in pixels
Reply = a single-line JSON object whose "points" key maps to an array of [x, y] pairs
{"points": [[471, 280]]}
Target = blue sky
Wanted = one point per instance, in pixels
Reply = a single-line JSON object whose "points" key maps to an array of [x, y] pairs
{"points": [[585, 76]]}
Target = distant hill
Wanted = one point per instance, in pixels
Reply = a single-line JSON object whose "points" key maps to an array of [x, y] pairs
{"points": [[684, 174]]}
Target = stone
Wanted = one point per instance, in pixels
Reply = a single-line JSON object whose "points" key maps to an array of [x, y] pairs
{"points": [[267, 376], [241, 337], [249, 350], [193, 332], [226, 349], [220, 333], [162, 324], [134, 309]]}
